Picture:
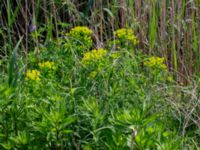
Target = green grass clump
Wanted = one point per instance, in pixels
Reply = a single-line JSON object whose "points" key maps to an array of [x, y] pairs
{"points": [[68, 96]]}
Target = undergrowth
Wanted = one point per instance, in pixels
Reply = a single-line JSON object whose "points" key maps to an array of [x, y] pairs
{"points": [[67, 95]]}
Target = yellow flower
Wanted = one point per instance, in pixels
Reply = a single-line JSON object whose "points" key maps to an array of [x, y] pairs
{"points": [[48, 65], [156, 62], [80, 30], [80, 37], [126, 35], [33, 75], [93, 55]]}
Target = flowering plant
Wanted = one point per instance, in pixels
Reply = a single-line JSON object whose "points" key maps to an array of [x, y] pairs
{"points": [[80, 37]]}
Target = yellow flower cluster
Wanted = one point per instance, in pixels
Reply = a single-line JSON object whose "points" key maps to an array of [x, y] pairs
{"points": [[80, 37], [94, 55], [33, 75], [126, 35], [157, 62], [47, 64], [80, 30]]}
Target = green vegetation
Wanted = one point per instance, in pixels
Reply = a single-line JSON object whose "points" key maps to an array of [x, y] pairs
{"points": [[106, 85]]}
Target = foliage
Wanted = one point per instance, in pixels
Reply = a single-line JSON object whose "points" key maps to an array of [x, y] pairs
{"points": [[72, 97]]}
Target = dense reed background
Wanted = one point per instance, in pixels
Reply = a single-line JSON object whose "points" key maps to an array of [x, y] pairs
{"points": [[167, 27]]}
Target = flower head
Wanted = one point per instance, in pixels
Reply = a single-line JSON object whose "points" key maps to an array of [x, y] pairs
{"points": [[126, 35], [80, 31], [94, 55], [80, 37], [155, 62], [33, 75], [48, 65], [32, 28]]}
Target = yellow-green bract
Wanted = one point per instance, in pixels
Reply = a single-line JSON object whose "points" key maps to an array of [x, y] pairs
{"points": [[47, 64], [80, 38], [126, 35], [33, 75], [93, 55], [156, 62]]}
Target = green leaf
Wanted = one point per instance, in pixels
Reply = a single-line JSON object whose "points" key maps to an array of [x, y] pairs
{"points": [[12, 71]]}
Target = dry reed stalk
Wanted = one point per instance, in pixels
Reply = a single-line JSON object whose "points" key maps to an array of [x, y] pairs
{"points": [[122, 13], [163, 31]]}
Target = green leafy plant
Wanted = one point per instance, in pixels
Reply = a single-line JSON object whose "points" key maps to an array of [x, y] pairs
{"points": [[71, 97]]}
